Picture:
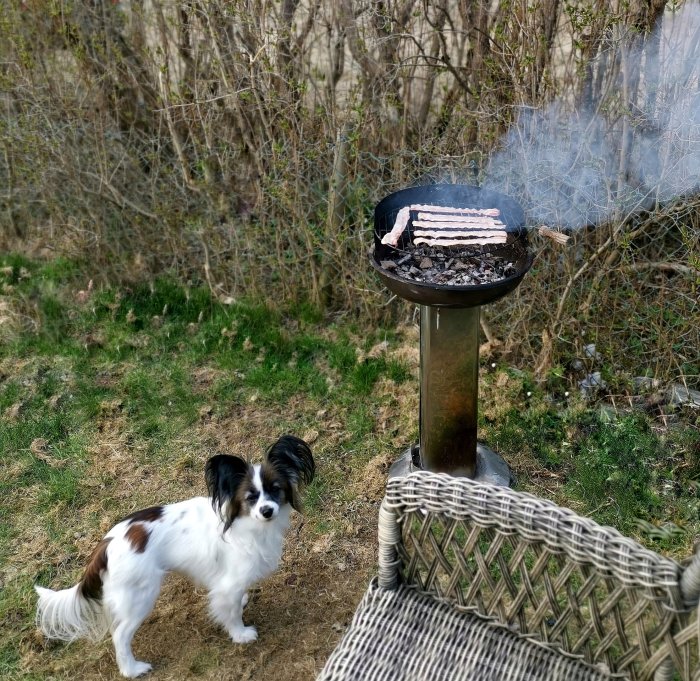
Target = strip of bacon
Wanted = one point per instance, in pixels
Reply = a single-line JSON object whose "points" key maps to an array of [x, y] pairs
{"points": [[492, 212], [402, 217], [458, 225], [460, 242], [459, 233], [459, 219]]}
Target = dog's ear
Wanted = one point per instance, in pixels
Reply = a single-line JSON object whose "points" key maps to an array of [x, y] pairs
{"points": [[224, 475], [291, 457]]}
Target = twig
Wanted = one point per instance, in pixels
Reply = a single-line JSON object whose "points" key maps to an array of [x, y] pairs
{"points": [[117, 197], [175, 136], [662, 266]]}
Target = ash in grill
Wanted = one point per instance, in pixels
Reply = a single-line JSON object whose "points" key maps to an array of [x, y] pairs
{"points": [[448, 266]]}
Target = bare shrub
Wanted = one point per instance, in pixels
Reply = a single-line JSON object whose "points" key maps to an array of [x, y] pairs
{"points": [[245, 143]]}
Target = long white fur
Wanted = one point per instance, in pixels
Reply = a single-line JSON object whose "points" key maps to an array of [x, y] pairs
{"points": [[65, 616], [188, 539]]}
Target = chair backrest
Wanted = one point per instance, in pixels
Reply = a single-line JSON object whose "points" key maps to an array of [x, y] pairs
{"points": [[543, 571]]}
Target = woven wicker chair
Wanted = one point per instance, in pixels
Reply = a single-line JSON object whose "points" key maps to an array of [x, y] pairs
{"points": [[481, 582]]}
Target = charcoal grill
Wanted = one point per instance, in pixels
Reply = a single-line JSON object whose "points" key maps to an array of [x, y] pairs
{"points": [[455, 196], [449, 330]]}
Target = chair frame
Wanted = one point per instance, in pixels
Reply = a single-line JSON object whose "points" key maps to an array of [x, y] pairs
{"points": [[543, 572]]}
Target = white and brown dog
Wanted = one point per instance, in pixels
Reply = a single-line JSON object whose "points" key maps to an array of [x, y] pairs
{"points": [[226, 543]]}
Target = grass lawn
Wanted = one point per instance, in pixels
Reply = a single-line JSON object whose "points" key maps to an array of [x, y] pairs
{"points": [[113, 398]]}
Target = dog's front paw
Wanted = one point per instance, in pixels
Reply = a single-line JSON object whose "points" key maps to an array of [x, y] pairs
{"points": [[136, 669], [244, 635]]}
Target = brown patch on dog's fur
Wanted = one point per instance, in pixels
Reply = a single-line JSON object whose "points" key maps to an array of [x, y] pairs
{"points": [[238, 505], [147, 515], [91, 583], [138, 535]]}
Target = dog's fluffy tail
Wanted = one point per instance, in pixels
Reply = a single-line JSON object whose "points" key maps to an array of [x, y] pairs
{"points": [[68, 615], [77, 612]]}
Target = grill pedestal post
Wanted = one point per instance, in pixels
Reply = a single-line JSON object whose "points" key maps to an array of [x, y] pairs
{"points": [[449, 388]]}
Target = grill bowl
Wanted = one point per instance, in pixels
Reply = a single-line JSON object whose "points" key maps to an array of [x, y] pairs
{"points": [[456, 196]]}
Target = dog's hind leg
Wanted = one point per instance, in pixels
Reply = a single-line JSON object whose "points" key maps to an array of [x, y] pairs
{"points": [[129, 605]]}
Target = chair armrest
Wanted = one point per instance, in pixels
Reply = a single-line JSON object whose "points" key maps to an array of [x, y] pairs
{"points": [[389, 539], [690, 582], [543, 571]]}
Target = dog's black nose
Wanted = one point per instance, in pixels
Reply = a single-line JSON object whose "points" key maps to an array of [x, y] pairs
{"points": [[267, 512]]}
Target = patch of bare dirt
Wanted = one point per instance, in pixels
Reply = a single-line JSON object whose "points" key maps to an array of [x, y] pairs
{"points": [[204, 377]]}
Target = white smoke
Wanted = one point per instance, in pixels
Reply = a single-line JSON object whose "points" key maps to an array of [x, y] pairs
{"points": [[580, 168]]}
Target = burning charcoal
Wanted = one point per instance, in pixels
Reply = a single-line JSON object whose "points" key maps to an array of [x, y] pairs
{"points": [[449, 266]]}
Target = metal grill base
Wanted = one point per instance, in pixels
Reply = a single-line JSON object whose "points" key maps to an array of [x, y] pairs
{"points": [[491, 467]]}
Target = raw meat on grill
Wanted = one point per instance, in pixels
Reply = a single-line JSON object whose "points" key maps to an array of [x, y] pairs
{"points": [[458, 224], [402, 218], [492, 212], [458, 219], [437, 229], [476, 241]]}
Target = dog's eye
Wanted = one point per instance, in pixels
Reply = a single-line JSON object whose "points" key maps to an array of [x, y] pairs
{"points": [[251, 496], [276, 487]]}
